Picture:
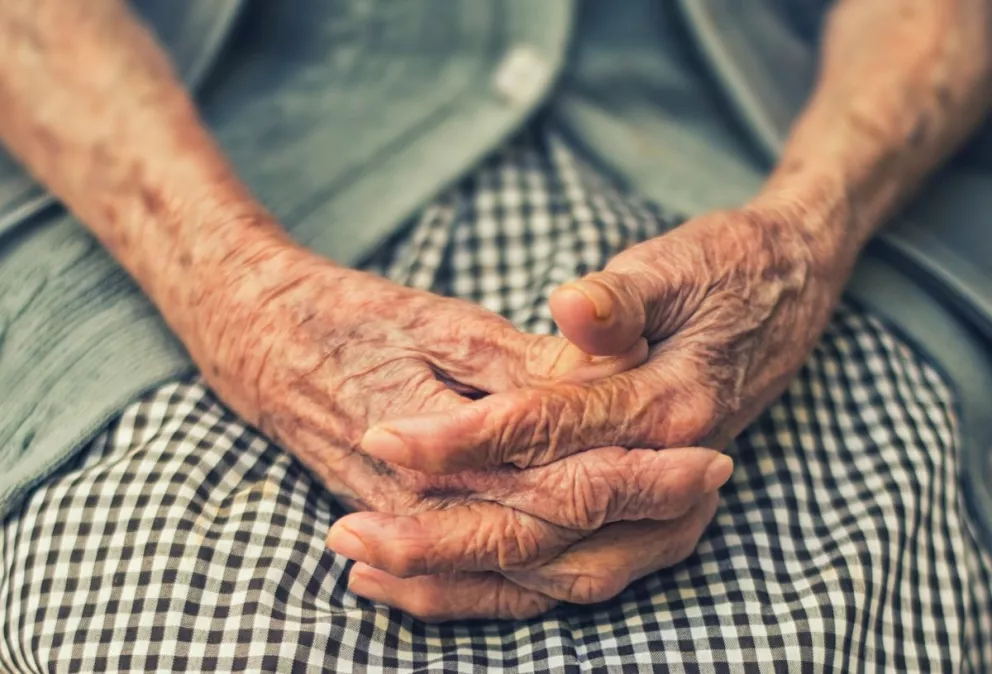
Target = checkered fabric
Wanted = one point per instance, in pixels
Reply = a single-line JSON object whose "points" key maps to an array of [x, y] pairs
{"points": [[182, 540]]}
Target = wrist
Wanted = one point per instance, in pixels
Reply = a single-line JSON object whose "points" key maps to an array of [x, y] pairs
{"points": [[819, 211], [836, 162], [215, 273]]}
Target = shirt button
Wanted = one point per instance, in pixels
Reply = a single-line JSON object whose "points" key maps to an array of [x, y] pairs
{"points": [[521, 76]]}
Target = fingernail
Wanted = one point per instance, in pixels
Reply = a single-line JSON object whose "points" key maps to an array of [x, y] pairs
{"points": [[602, 303], [383, 443], [717, 473], [347, 543]]}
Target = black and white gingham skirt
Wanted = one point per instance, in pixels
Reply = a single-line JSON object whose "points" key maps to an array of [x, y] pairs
{"points": [[181, 540]]}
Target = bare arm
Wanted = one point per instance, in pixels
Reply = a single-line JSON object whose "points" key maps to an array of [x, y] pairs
{"points": [[309, 352], [90, 105], [902, 83]]}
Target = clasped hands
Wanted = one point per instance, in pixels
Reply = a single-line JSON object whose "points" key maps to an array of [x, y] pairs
{"points": [[495, 473]]}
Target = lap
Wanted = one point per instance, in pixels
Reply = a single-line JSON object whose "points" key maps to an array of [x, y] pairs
{"points": [[182, 540]]}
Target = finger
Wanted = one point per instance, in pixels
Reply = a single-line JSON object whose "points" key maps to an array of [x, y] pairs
{"points": [[600, 313], [532, 427], [474, 537], [450, 597], [546, 359], [553, 508], [599, 567], [635, 297], [506, 358], [610, 484]]}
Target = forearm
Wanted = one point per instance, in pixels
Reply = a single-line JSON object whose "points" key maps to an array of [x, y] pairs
{"points": [[902, 84], [90, 105]]}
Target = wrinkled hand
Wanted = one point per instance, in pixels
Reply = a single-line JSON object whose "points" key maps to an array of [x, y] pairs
{"points": [[313, 355], [592, 570], [730, 304]]}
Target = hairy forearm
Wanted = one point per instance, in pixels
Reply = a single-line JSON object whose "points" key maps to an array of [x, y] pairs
{"points": [[902, 83], [90, 105]]}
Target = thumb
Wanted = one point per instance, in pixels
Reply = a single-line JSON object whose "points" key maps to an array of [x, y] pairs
{"points": [[525, 360], [490, 355], [636, 297], [603, 313]]}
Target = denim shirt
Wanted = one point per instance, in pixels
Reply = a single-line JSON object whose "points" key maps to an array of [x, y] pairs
{"points": [[346, 116]]}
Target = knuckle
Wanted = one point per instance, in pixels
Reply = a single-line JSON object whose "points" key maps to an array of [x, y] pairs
{"points": [[592, 495], [519, 546], [545, 434], [698, 417], [625, 409], [684, 415], [655, 496], [530, 438], [687, 399], [557, 422]]}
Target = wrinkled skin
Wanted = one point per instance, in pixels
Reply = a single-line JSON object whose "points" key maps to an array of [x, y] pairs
{"points": [[730, 303], [313, 355]]}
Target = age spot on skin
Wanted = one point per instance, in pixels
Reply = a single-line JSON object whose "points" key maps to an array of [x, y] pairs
{"points": [[793, 166], [110, 215], [152, 200]]}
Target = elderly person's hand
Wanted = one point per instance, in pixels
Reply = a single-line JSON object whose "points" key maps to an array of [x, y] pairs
{"points": [[310, 353], [314, 354], [731, 305], [594, 569]]}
